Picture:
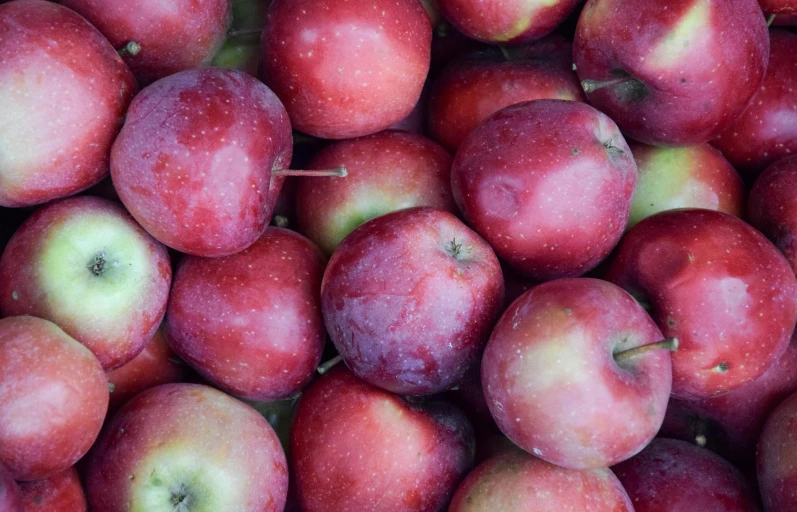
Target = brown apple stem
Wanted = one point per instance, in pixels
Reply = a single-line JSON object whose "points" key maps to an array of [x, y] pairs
{"points": [[131, 49], [593, 85], [666, 344], [505, 53], [242, 32], [770, 20], [338, 172], [325, 367]]}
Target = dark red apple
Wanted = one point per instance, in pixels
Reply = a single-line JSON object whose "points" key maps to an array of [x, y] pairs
{"points": [[518, 481], [187, 447], [671, 475], [673, 73], [387, 171], [409, 299], [10, 495], [346, 69], [777, 458], [84, 264], [63, 95], [717, 285], [357, 448], [772, 206], [251, 323], [53, 398], [194, 161], [59, 493], [548, 183]]}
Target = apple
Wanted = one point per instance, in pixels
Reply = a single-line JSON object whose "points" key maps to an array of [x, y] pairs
{"points": [[479, 84], [772, 207], [518, 481], [356, 447], [548, 184], [53, 398], [673, 73], [691, 177], [346, 69], [59, 493], [767, 130], [251, 323], [59, 110], [387, 171], [84, 264], [10, 495], [409, 299], [777, 469], [577, 373], [672, 475], [187, 447], [506, 21], [195, 160], [717, 285]]}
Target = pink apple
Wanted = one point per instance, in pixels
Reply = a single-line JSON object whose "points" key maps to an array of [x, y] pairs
{"points": [[59, 493], [59, 109], [53, 398], [772, 206], [777, 468], [84, 264], [194, 161], [675, 73], [387, 171], [717, 285], [357, 448], [251, 323], [548, 184], [346, 69], [10, 495], [409, 299]]}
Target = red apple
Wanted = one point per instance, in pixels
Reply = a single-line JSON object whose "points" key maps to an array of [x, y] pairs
{"points": [[346, 69], [387, 171], [506, 21], [10, 495], [84, 264], [691, 177], [480, 84], [59, 493], [357, 448], [251, 323], [777, 458], [772, 206], [672, 73], [63, 95], [186, 447], [717, 285], [671, 475], [518, 481], [173, 36], [53, 398], [194, 161], [548, 184], [409, 299], [575, 374]]}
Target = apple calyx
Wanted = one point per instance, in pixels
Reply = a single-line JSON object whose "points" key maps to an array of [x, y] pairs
{"points": [[722, 367], [670, 344], [325, 367], [338, 172], [180, 499], [98, 264], [130, 49], [280, 221]]}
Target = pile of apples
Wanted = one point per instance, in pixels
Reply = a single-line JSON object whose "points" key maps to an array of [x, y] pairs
{"points": [[398, 255]]}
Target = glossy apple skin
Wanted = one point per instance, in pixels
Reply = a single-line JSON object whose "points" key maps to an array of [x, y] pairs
{"points": [[346, 69], [388, 171], [550, 197], [552, 383], [220, 451], [358, 448], [767, 130], [63, 95], [251, 323], [673, 475], [44, 272], [193, 161], [695, 65], [717, 285], [479, 84], [772, 206], [59, 493], [777, 470], [518, 481], [174, 36], [691, 177], [10, 496], [506, 21], [53, 398], [407, 312]]}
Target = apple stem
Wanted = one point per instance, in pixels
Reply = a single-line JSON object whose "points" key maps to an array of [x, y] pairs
{"points": [[280, 221], [325, 367], [338, 172], [667, 344], [505, 53], [242, 32], [770, 20], [593, 85], [131, 49]]}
